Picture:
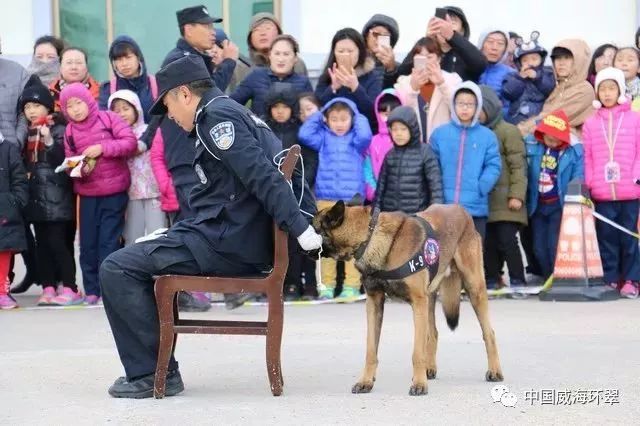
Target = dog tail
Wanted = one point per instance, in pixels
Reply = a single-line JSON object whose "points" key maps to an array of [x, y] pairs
{"points": [[450, 297]]}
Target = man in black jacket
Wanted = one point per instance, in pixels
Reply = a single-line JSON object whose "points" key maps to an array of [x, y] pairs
{"points": [[239, 194]]}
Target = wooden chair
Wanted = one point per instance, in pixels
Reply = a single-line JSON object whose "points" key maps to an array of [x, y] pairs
{"points": [[168, 286]]}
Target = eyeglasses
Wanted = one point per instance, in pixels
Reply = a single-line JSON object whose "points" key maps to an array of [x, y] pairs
{"points": [[467, 105], [376, 34]]}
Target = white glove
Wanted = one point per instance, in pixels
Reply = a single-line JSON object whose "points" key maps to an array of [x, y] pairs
{"points": [[310, 240]]}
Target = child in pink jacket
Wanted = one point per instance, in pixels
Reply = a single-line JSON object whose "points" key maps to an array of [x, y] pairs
{"points": [[106, 141], [612, 166], [381, 143], [168, 197]]}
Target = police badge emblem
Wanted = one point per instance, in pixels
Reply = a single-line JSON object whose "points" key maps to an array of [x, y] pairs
{"points": [[223, 135], [201, 175]]}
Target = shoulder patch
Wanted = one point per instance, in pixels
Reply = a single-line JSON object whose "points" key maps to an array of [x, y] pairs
{"points": [[223, 135]]}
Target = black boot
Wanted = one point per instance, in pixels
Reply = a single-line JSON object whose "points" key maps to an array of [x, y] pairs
{"points": [[142, 387], [24, 285]]}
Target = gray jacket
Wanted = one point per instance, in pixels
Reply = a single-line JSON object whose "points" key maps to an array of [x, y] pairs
{"points": [[13, 78]]}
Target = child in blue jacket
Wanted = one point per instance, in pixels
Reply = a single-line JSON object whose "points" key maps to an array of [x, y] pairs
{"points": [[553, 163], [468, 155], [341, 135]]}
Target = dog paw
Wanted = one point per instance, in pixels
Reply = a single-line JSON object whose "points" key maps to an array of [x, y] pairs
{"points": [[362, 387], [418, 389], [431, 373], [494, 376]]}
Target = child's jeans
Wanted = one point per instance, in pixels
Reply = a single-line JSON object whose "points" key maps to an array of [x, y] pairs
{"points": [[328, 265], [545, 224], [101, 227], [5, 263], [619, 251]]}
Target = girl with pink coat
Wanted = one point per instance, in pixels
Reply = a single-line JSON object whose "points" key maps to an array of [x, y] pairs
{"points": [[106, 141], [612, 167]]}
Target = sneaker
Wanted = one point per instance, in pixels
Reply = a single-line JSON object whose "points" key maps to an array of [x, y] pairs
{"points": [[91, 299], [142, 387], [48, 294], [629, 290], [613, 286], [492, 284], [291, 293], [326, 293], [201, 296], [234, 301], [517, 283], [188, 302], [68, 297], [7, 302], [349, 292]]}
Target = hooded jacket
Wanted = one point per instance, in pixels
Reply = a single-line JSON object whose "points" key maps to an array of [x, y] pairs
{"points": [[574, 95], [527, 96], [340, 174], [369, 87], [14, 194], [255, 86], [625, 126], [380, 145], [389, 78], [496, 73], [140, 85], [410, 180], [111, 174], [468, 157], [513, 176], [143, 182], [288, 132], [13, 78], [464, 58]]}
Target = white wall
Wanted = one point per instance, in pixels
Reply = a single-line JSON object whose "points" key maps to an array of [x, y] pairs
{"points": [[313, 22], [21, 22]]}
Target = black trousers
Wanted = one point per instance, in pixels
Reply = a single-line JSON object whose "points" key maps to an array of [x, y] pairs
{"points": [[481, 226], [501, 244], [127, 281], [526, 238], [54, 258]]}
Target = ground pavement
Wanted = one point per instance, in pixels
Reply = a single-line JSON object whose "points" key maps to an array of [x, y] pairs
{"points": [[56, 365]]}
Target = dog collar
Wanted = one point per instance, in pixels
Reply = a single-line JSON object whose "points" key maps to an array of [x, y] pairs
{"points": [[372, 225], [427, 257]]}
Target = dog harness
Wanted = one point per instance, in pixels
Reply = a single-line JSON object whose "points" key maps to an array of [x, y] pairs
{"points": [[427, 257]]}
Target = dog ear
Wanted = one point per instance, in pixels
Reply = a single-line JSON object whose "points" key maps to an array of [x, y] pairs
{"points": [[335, 215], [356, 200]]}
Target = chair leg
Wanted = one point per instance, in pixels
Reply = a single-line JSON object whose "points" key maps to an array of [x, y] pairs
{"points": [[274, 342], [165, 302]]}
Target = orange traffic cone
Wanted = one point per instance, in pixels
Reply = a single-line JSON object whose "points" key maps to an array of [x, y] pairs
{"points": [[577, 273]]}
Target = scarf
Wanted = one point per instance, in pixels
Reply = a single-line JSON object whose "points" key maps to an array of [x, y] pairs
{"points": [[34, 138], [47, 71]]}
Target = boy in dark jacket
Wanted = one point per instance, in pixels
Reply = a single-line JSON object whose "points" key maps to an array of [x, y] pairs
{"points": [[51, 199], [281, 104], [14, 195], [507, 212], [527, 89], [410, 180]]}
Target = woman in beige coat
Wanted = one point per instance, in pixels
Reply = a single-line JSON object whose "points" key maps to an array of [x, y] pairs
{"points": [[428, 89]]}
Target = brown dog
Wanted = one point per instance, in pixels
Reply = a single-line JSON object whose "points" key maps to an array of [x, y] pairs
{"points": [[387, 243]]}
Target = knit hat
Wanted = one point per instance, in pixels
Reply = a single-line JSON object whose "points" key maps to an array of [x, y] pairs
{"points": [[384, 21], [616, 75], [259, 18], [80, 91], [35, 91], [555, 124], [530, 46]]}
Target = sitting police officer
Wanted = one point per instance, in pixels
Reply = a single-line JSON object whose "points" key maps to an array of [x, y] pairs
{"points": [[239, 195]]}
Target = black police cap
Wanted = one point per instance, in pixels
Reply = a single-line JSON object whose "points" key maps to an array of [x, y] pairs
{"points": [[178, 73], [195, 15]]}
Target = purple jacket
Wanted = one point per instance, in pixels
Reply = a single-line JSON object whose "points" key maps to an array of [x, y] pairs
{"points": [[111, 173]]}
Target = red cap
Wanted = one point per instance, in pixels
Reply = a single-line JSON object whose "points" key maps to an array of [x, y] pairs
{"points": [[555, 124]]}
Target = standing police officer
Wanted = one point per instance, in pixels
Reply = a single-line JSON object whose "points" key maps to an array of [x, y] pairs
{"points": [[239, 194]]}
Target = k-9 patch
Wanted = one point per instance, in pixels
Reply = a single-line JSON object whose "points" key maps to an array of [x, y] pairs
{"points": [[223, 135]]}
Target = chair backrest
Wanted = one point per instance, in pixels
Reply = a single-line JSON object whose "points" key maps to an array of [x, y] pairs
{"points": [[281, 261]]}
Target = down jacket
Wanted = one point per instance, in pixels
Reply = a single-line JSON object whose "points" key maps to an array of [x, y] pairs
{"points": [[111, 173], [51, 196], [469, 159], [14, 194], [625, 124], [410, 180], [340, 174]]}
